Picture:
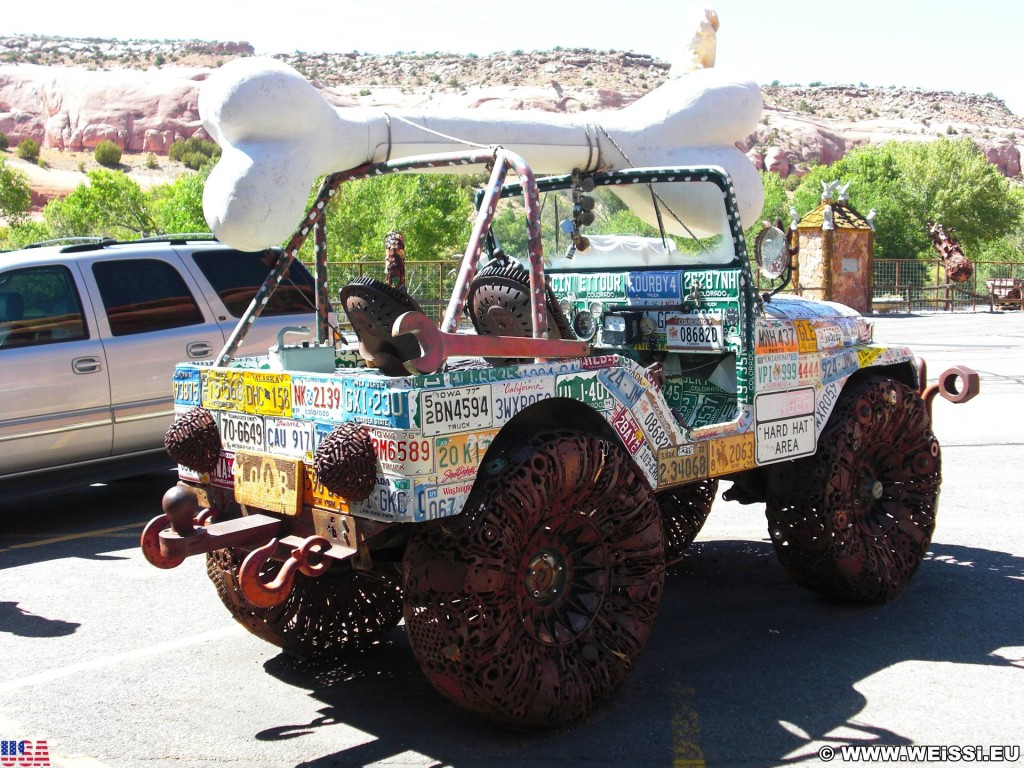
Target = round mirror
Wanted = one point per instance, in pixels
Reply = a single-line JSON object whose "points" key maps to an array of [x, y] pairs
{"points": [[771, 250]]}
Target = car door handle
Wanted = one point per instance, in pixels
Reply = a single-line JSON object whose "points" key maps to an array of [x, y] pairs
{"points": [[199, 349], [87, 365]]}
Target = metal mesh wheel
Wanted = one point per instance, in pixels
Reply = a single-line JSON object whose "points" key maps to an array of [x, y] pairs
{"points": [[322, 618], [531, 607], [854, 521], [683, 512]]}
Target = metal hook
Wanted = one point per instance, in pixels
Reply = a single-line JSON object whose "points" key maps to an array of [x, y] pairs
{"points": [[150, 543], [271, 594]]}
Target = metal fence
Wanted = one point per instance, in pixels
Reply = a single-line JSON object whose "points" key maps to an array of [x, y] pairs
{"points": [[912, 285], [922, 285], [429, 282]]}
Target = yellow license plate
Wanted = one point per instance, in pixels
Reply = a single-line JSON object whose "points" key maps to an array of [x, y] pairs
{"points": [[731, 454], [273, 483], [268, 394]]}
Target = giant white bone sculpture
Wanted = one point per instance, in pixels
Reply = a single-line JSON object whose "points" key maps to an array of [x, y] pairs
{"points": [[278, 135]]}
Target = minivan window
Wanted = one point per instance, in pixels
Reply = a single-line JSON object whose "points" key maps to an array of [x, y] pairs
{"points": [[39, 305], [237, 275], [143, 295]]}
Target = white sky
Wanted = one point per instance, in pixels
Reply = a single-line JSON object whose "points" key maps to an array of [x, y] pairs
{"points": [[933, 44]]}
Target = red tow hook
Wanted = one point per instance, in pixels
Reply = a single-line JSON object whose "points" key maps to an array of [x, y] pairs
{"points": [[308, 558], [183, 530], [957, 384]]}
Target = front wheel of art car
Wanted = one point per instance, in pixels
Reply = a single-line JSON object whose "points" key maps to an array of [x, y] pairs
{"points": [[323, 618], [854, 521], [531, 607], [684, 511]]}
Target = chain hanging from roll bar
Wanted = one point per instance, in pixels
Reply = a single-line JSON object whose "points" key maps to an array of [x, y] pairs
{"points": [[582, 213]]}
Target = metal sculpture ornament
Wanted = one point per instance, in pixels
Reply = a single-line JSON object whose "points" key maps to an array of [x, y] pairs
{"points": [[958, 267], [278, 135]]}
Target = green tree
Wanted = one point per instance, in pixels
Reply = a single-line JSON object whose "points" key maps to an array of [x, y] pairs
{"points": [[107, 154], [433, 211], [24, 233], [15, 193], [178, 207], [909, 184], [28, 149], [110, 205], [4, 142]]}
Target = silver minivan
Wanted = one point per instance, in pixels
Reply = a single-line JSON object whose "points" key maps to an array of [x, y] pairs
{"points": [[89, 337]]}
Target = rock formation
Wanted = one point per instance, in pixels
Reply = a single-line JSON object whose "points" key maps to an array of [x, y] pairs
{"points": [[141, 95]]}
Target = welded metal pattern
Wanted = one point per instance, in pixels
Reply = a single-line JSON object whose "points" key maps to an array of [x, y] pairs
{"points": [[683, 512], [531, 607], [854, 521], [345, 462], [372, 308], [339, 612], [193, 440], [499, 304]]}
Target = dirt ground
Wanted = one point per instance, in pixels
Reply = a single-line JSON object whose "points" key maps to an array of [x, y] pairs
{"points": [[60, 172]]}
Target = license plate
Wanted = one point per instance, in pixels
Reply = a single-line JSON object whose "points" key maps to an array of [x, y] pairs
{"points": [[682, 465], [223, 390], [242, 431], [187, 386], [445, 411], [731, 454], [587, 388], [402, 453], [694, 332], [268, 394], [458, 456], [374, 404], [317, 398], [290, 437], [273, 483]]}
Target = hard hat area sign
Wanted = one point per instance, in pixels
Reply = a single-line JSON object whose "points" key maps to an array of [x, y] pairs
{"points": [[785, 438]]}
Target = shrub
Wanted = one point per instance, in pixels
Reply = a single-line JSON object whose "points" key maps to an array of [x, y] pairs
{"points": [[4, 142], [151, 161], [180, 149], [28, 149], [107, 154], [194, 160]]}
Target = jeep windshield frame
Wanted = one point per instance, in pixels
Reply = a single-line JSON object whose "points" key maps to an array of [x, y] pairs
{"points": [[730, 248]]}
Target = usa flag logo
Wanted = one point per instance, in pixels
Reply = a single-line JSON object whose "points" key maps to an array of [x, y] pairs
{"points": [[17, 753]]}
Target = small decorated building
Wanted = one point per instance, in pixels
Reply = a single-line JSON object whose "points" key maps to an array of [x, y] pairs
{"points": [[836, 257]]}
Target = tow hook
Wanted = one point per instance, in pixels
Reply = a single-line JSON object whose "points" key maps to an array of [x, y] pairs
{"points": [[183, 530], [308, 558]]}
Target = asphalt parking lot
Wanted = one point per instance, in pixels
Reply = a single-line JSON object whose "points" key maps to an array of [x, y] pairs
{"points": [[114, 663]]}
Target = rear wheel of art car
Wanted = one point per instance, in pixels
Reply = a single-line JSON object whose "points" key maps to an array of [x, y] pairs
{"points": [[322, 618], [531, 607], [683, 512], [854, 521]]}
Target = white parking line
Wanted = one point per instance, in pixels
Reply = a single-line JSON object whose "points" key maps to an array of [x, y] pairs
{"points": [[107, 661]]}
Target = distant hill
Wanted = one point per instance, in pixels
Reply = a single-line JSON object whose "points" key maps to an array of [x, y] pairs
{"points": [[69, 94]]}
